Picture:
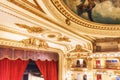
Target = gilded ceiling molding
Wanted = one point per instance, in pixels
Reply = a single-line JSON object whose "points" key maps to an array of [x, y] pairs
{"points": [[30, 29], [76, 19], [21, 13], [29, 3], [25, 5], [11, 43], [8, 29], [38, 6], [28, 8], [32, 18], [35, 6], [25, 44], [35, 42]]}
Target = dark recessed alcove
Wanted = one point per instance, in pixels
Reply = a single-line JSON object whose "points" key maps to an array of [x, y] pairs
{"points": [[31, 68]]}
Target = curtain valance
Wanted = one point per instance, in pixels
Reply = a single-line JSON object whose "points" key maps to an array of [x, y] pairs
{"points": [[14, 53]]}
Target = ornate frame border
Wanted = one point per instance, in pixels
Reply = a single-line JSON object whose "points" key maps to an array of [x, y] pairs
{"points": [[62, 8]]}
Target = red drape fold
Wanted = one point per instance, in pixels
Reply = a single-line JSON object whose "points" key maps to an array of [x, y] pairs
{"points": [[48, 69], [42, 67], [12, 69], [4, 69]]}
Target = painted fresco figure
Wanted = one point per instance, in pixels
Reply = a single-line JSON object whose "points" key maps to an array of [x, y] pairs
{"points": [[86, 6]]}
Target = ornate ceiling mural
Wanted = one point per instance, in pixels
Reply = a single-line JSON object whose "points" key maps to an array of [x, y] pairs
{"points": [[75, 23], [100, 11]]}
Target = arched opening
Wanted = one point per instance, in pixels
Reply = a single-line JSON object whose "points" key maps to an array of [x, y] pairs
{"points": [[32, 71]]}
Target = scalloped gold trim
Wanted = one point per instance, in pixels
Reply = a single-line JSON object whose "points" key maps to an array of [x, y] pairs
{"points": [[76, 19]]}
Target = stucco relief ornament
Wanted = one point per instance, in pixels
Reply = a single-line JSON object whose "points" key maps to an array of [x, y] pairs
{"points": [[67, 21], [89, 58], [78, 48], [35, 42], [63, 38], [30, 29]]}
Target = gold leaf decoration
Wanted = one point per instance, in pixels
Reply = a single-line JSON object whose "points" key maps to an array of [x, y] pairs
{"points": [[67, 21], [51, 36], [64, 38], [30, 29], [78, 48], [35, 42]]}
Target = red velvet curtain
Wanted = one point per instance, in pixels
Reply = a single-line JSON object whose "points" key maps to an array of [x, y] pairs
{"points": [[4, 69], [12, 69], [42, 67], [48, 69], [52, 70]]}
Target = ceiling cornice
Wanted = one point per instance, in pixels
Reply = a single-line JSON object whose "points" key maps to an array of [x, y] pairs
{"points": [[26, 34], [17, 44]]}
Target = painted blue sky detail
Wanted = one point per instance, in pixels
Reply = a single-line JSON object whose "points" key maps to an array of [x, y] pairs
{"points": [[107, 12]]}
